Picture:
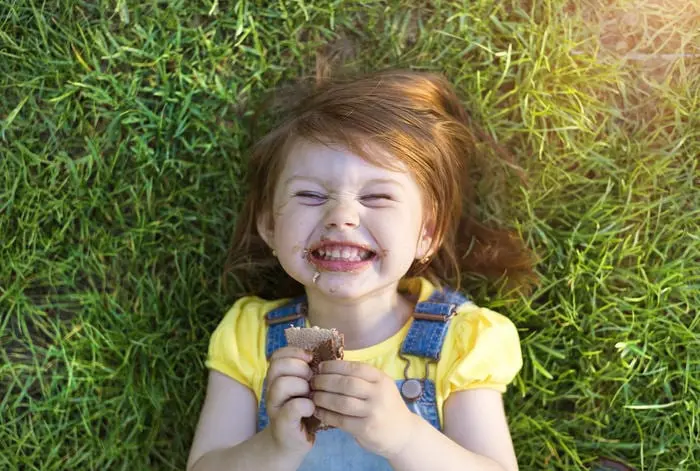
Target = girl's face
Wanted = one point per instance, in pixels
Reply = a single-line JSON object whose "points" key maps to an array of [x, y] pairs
{"points": [[360, 226]]}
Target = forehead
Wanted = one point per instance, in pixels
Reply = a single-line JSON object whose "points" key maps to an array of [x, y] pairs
{"points": [[337, 164]]}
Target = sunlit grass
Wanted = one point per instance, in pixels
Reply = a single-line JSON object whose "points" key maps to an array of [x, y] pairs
{"points": [[123, 134]]}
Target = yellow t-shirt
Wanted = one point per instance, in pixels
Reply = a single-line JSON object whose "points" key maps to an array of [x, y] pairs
{"points": [[481, 348]]}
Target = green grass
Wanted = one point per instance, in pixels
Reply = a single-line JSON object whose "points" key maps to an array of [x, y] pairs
{"points": [[123, 133]]}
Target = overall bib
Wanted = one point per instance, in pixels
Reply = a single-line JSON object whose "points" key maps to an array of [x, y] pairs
{"points": [[336, 450]]}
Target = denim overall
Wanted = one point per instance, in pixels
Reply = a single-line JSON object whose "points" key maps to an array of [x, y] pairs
{"points": [[335, 449]]}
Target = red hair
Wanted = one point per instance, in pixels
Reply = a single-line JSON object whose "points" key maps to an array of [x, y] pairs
{"points": [[418, 118]]}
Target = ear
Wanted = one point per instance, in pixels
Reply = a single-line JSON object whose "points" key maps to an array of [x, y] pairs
{"points": [[425, 248], [266, 229]]}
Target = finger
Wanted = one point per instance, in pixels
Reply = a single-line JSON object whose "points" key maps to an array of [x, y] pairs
{"points": [[351, 368], [295, 409], [345, 405], [284, 388], [334, 419], [347, 385], [288, 367], [292, 352]]}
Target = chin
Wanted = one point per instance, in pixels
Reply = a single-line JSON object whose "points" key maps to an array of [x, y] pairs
{"points": [[340, 292], [348, 288]]}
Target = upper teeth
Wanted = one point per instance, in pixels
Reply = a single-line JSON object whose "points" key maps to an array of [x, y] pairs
{"points": [[351, 254]]}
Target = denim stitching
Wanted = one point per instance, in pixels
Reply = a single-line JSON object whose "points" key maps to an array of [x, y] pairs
{"points": [[263, 418], [286, 309], [428, 307], [275, 332], [275, 340], [425, 340]]}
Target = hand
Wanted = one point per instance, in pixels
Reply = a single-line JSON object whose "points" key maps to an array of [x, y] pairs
{"points": [[364, 402], [288, 398]]}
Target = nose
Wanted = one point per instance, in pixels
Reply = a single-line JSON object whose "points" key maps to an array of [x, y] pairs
{"points": [[341, 215]]}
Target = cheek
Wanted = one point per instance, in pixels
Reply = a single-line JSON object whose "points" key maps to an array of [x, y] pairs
{"points": [[399, 229], [292, 226]]}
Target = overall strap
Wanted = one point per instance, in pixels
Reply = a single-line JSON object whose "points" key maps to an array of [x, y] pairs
{"points": [[431, 319], [277, 320], [285, 316]]}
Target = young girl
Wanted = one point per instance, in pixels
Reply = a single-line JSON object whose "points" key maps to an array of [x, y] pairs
{"points": [[362, 197]]}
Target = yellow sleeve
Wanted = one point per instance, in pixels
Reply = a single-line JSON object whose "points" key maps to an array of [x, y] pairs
{"points": [[485, 352], [237, 346]]}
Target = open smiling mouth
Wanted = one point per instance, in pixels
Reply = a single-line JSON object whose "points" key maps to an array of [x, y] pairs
{"points": [[341, 257]]}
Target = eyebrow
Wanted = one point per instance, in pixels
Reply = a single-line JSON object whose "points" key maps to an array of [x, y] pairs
{"points": [[321, 182], [304, 178]]}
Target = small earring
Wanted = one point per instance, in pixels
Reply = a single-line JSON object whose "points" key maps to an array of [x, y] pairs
{"points": [[425, 260], [274, 253]]}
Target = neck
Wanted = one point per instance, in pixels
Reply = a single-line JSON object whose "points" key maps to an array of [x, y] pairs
{"points": [[364, 322]]}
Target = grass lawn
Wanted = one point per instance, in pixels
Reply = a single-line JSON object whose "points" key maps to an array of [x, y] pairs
{"points": [[123, 135]]}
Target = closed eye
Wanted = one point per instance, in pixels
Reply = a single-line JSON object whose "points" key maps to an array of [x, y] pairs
{"points": [[376, 198], [311, 198]]}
